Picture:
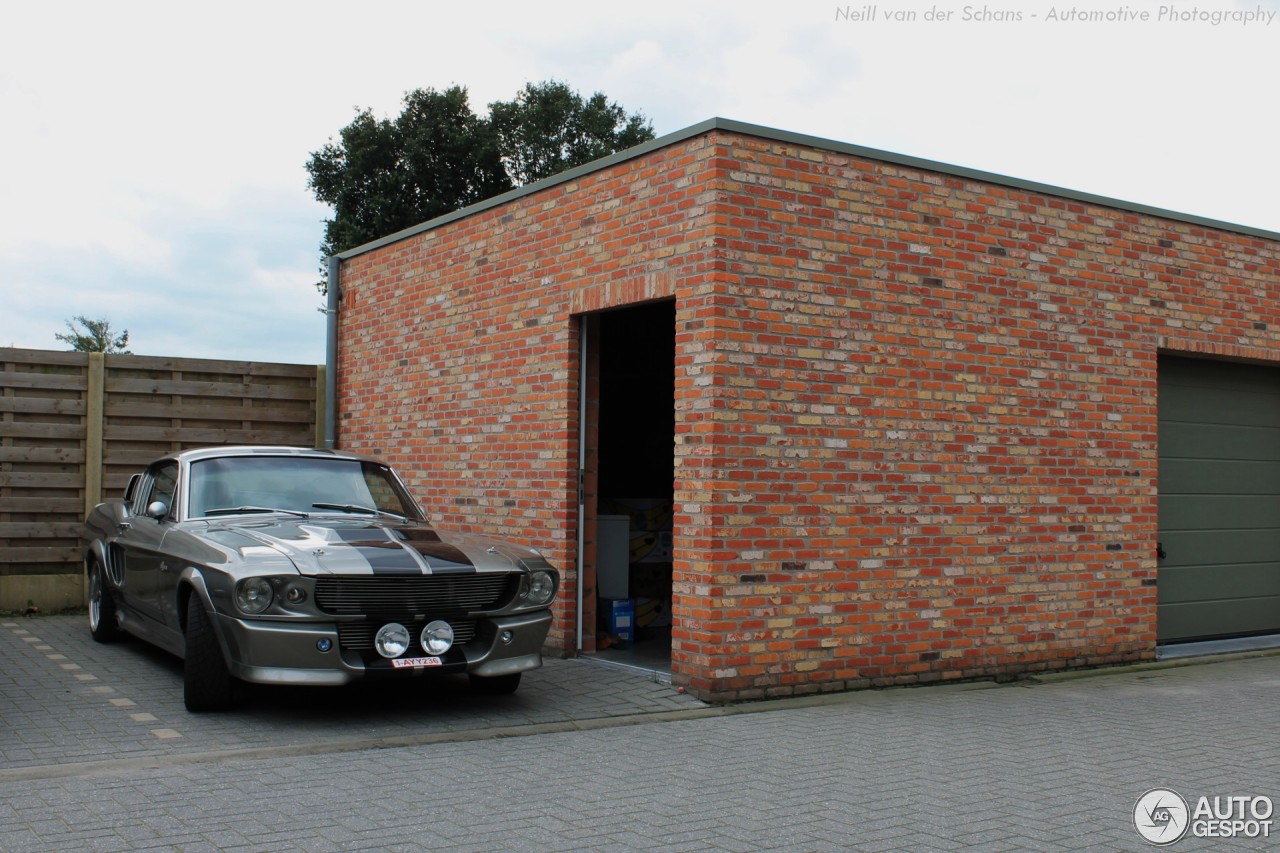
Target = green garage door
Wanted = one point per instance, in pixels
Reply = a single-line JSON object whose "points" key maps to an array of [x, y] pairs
{"points": [[1219, 500]]}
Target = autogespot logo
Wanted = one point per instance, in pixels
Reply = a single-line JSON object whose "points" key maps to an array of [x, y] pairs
{"points": [[1161, 816]]}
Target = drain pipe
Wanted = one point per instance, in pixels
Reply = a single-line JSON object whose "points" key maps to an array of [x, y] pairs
{"points": [[331, 355], [582, 463]]}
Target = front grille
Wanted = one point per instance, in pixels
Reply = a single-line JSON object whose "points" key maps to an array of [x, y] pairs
{"points": [[427, 595], [411, 601]]}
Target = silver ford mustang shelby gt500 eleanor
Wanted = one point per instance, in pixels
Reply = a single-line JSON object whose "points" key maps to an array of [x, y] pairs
{"points": [[280, 565]]}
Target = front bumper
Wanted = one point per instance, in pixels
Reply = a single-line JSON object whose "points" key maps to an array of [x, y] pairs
{"points": [[267, 652]]}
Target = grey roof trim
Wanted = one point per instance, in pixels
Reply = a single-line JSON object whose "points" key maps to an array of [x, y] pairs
{"points": [[200, 453], [817, 142]]}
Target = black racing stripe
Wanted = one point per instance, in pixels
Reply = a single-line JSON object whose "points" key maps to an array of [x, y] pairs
{"points": [[418, 534], [384, 556], [443, 559], [388, 558], [391, 557]]}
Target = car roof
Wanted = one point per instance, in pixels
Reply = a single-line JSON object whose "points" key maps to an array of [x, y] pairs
{"points": [[261, 450]]}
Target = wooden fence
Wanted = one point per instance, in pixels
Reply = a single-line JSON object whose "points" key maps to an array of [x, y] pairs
{"points": [[74, 427]]}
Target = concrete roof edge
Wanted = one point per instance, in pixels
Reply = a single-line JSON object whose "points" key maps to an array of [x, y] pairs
{"points": [[807, 141]]}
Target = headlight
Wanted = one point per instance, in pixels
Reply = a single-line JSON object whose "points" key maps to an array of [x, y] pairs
{"points": [[437, 637], [254, 595], [539, 588]]}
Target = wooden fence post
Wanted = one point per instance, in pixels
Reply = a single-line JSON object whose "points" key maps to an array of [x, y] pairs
{"points": [[95, 399]]}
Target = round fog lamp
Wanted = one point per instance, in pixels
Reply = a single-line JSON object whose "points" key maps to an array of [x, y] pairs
{"points": [[437, 637], [392, 640]]}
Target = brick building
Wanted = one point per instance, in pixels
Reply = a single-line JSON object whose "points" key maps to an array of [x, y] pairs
{"points": [[866, 419]]}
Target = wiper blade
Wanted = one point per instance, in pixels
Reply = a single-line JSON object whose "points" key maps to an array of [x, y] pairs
{"points": [[232, 510], [366, 510]]}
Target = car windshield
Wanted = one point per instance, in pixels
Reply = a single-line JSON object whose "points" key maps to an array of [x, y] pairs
{"points": [[296, 484]]}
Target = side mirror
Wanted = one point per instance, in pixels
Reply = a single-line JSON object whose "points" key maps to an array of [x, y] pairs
{"points": [[157, 509]]}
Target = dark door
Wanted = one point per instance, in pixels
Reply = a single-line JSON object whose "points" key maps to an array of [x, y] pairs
{"points": [[1219, 499]]}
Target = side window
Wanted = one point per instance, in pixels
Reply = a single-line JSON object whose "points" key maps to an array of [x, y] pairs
{"points": [[137, 494], [160, 484], [131, 490]]}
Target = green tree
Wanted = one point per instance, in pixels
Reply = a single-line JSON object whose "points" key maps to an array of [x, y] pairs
{"points": [[384, 175], [93, 336], [548, 128]]}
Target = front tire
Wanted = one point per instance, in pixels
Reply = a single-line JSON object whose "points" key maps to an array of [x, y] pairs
{"points": [[103, 622], [496, 685], [206, 681]]}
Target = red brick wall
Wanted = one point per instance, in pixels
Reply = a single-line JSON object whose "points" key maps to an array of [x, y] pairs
{"points": [[916, 413]]}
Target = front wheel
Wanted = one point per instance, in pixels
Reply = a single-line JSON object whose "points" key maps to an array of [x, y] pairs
{"points": [[496, 685], [207, 683], [103, 623]]}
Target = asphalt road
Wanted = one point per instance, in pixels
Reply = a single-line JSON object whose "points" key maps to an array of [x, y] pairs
{"points": [[97, 753]]}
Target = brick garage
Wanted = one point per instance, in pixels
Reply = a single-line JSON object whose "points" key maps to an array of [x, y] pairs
{"points": [[912, 424]]}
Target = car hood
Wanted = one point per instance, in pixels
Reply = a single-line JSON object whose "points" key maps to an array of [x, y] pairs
{"points": [[359, 546]]}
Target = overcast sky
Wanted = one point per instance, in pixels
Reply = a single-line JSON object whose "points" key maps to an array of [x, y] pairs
{"points": [[154, 153]]}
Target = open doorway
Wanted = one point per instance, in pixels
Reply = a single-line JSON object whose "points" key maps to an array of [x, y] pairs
{"points": [[630, 375]]}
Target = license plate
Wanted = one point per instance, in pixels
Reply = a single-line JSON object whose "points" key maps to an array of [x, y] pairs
{"points": [[416, 663]]}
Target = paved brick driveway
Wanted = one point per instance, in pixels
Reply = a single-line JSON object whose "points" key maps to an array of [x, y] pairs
{"points": [[97, 753]]}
